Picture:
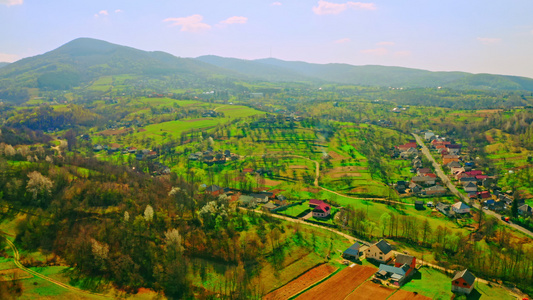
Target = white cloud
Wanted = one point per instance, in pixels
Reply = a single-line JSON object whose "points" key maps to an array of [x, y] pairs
{"points": [[342, 41], [4, 57], [11, 2], [489, 41], [276, 3], [330, 8], [101, 13], [191, 23], [235, 20], [385, 44], [118, 11], [376, 51]]}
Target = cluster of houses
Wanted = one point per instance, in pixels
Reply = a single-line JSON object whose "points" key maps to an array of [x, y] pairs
{"points": [[114, 148], [211, 157], [398, 268], [475, 183]]}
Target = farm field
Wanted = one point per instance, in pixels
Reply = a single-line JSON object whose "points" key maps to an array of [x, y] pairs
{"points": [[370, 291], [304, 281], [436, 285], [341, 284], [405, 295]]}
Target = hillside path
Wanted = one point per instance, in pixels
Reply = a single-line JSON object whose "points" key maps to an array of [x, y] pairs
{"points": [[16, 260], [455, 191], [317, 175]]}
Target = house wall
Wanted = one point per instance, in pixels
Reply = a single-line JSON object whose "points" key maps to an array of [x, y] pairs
{"points": [[458, 286], [320, 214], [471, 189], [375, 253]]}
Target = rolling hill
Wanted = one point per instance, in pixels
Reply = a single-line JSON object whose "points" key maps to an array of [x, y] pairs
{"points": [[3, 64], [85, 59], [372, 75]]}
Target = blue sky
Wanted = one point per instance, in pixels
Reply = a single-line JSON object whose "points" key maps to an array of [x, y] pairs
{"points": [[467, 35]]}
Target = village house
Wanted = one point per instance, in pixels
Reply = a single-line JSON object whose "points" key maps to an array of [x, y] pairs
{"points": [[443, 208], [417, 163], [380, 251], [454, 164], [269, 207], [423, 180], [525, 210], [214, 190], [470, 187], [419, 205], [428, 135], [401, 186], [434, 190], [463, 282], [460, 208], [415, 188], [260, 198], [446, 159], [453, 149], [403, 269], [322, 210], [423, 171], [352, 252]]}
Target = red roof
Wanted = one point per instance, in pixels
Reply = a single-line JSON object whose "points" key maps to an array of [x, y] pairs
{"points": [[484, 194], [315, 202], [430, 175], [479, 177], [407, 146], [322, 207], [474, 173], [424, 170]]}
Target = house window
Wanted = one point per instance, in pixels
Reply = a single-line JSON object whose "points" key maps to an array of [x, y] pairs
{"points": [[456, 282], [464, 283], [380, 257]]}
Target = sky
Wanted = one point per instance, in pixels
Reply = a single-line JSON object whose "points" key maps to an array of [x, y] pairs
{"points": [[477, 36]]}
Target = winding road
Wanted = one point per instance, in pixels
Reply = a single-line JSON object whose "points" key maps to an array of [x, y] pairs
{"points": [[455, 191]]}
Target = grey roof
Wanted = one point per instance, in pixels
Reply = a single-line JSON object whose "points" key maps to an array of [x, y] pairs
{"points": [[454, 164], [392, 269], [351, 252], [404, 259], [466, 275], [470, 184], [525, 208], [355, 246], [436, 188], [213, 188], [460, 205], [384, 246], [269, 205]]}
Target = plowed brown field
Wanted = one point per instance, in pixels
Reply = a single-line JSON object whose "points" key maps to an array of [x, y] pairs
{"points": [[299, 284], [341, 284], [370, 291]]}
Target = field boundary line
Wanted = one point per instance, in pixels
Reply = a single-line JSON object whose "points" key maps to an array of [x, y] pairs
{"points": [[315, 284]]}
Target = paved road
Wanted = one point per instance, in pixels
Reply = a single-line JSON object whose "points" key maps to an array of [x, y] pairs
{"points": [[456, 192], [16, 258]]}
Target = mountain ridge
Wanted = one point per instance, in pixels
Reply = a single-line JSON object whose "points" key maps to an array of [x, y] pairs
{"points": [[83, 60]]}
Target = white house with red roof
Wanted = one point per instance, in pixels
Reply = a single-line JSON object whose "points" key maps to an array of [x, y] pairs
{"points": [[320, 208]]}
